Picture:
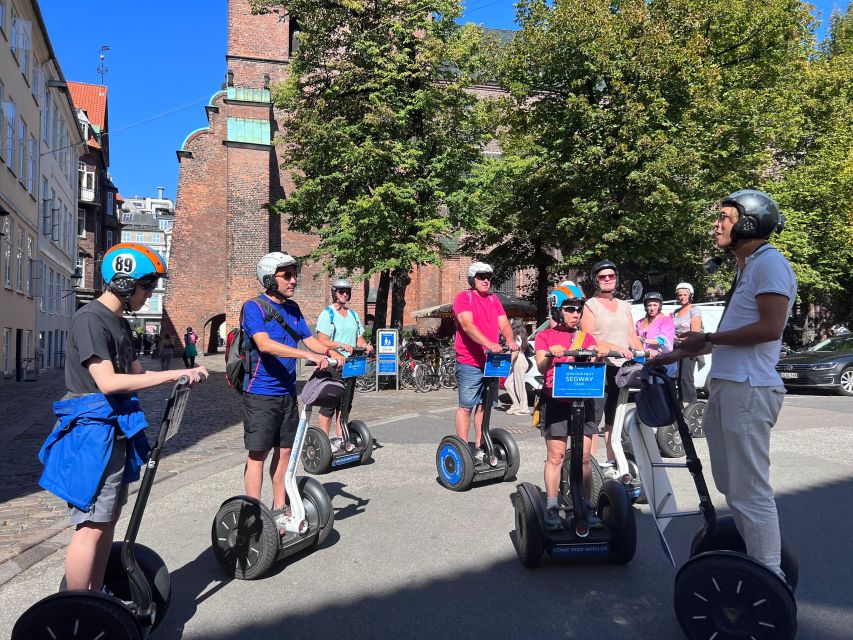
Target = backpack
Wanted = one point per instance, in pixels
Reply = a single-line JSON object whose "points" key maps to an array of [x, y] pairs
{"points": [[238, 346], [330, 309]]}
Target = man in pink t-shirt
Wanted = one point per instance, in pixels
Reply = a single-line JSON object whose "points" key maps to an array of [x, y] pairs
{"points": [[480, 321]]}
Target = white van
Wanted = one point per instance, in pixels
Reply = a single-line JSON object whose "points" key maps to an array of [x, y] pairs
{"points": [[712, 312]]}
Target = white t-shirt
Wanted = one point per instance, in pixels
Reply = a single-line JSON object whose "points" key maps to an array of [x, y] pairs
{"points": [[765, 271]]}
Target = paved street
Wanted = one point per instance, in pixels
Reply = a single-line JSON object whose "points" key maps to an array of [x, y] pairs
{"points": [[408, 556]]}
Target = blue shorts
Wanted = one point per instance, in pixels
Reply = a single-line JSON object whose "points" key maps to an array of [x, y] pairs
{"points": [[472, 390]]}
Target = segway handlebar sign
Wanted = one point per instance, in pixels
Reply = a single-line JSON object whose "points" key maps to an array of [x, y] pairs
{"points": [[354, 367], [579, 380], [498, 365]]}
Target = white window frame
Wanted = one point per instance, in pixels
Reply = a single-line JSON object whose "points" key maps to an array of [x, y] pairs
{"points": [[33, 164], [7, 348], [19, 259], [30, 267], [46, 118], [8, 141], [9, 230], [22, 150], [140, 236]]}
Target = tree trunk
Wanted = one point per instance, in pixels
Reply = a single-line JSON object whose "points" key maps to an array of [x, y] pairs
{"points": [[399, 281], [541, 293], [380, 311]]}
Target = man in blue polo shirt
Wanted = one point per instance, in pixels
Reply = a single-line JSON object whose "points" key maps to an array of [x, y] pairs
{"points": [[270, 408]]}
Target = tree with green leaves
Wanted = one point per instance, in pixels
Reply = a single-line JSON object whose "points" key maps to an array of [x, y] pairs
{"points": [[379, 132], [626, 120], [814, 185]]}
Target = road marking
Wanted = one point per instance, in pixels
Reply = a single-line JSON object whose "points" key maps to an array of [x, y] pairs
{"points": [[405, 416]]}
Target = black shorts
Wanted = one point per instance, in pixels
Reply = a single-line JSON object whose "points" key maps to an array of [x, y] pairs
{"points": [[606, 406], [558, 414], [269, 421]]}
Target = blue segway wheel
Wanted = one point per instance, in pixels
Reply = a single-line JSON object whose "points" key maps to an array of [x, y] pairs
{"points": [[454, 464]]}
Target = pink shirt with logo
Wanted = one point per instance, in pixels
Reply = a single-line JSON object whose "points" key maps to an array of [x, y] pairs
{"points": [[548, 337], [485, 311]]}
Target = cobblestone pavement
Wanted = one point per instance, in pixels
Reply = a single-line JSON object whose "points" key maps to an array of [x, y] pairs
{"points": [[211, 430]]}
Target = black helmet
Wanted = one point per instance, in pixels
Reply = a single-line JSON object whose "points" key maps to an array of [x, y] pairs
{"points": [[601, 265], [759, 214], [654, 296]]}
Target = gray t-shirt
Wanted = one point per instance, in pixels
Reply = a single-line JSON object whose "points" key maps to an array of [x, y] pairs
{"points": [[96, 331]]}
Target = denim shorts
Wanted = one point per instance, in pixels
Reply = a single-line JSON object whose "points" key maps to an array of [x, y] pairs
{"points": [[472, 390]]}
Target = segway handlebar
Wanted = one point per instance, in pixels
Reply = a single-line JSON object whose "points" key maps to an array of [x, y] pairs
{"points": [[503, 350], [589, 353]]}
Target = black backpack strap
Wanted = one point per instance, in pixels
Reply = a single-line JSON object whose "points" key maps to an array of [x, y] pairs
{"points": [[271, 313]]}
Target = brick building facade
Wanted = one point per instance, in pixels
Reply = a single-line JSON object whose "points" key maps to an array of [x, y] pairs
{"points": [[229, 172]]}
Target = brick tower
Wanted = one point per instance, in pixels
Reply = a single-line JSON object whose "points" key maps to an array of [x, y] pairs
{"points": [[229, 173]]}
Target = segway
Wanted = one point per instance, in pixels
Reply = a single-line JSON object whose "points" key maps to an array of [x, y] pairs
{"points": [[720, 592], [621, 448], [245, 537], [135, 575], [457, 467], [356, 442], [617, 539]]}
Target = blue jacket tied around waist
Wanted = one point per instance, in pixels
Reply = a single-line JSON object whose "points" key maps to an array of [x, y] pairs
{"points": [[76, 453]]}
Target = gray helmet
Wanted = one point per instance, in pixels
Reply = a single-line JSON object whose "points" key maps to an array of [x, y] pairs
{"points": [[654, 296], [759, 215], [269, 264], [340, 283]]}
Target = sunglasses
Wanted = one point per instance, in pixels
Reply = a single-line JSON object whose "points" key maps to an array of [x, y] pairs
{"points": [[607, 276], [147, 285], [570, 308], [347, 292], [287, 275], [483, 276]]}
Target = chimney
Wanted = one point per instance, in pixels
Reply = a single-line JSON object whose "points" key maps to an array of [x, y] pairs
{"points": [[160, 191]]}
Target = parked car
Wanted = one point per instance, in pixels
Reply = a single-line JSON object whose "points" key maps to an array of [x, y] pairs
{"points": [[712, 312], [827, 364]]}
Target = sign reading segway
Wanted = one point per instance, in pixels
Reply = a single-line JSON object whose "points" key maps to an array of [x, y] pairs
{"points": [[354, 367], [579, 380], [498, 365], [386, 352]]}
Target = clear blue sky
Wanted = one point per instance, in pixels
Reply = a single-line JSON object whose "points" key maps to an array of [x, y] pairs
{"points": [[166, 59]]}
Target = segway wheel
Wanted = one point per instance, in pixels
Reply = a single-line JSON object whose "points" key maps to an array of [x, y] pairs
{"points": [[727, 538], [724, 594], [693, 414], [77, 614], [669, 441], [316, 452], [153, 568], [528, 528], [508, 451], [597, 481], [454, 464], [245, 538], [318, 508], [617, 515], [363, 439]]}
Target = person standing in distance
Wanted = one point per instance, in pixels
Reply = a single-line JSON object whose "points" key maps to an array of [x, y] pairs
{"points": [[270, 408], [480, 321], [746, 392], [687, 318], [91, 470], [339, 328]]}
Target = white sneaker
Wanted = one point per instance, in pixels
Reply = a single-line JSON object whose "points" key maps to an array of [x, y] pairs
{"points": [[335, 442]]}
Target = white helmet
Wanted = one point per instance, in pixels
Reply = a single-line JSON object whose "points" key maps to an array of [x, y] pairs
{"points": [[684, 285], [340, 283], [474, 269], [269, 264]]}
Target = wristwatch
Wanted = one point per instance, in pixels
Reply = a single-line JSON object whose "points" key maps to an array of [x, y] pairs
{"points": [[708, 338]]}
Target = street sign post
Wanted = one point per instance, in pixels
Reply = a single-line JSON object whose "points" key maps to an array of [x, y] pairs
{"points": [[387, 341]]}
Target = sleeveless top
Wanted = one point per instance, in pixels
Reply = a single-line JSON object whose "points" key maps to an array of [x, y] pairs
{"points": [[610, 326]]}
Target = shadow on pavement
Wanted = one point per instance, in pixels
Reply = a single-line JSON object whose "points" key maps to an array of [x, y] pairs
{"points": [[354, 508]]}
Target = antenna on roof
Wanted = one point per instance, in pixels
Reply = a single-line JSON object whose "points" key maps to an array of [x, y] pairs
{"points": [[102, 69]]}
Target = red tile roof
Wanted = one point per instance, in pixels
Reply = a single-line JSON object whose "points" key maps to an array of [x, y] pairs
{"points": [[91, 98]]}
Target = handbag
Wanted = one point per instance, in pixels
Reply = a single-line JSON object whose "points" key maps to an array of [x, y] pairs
{"points": [[322, 390]]}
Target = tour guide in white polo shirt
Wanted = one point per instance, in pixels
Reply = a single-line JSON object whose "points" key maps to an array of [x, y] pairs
{"points": [[746, 392]]}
